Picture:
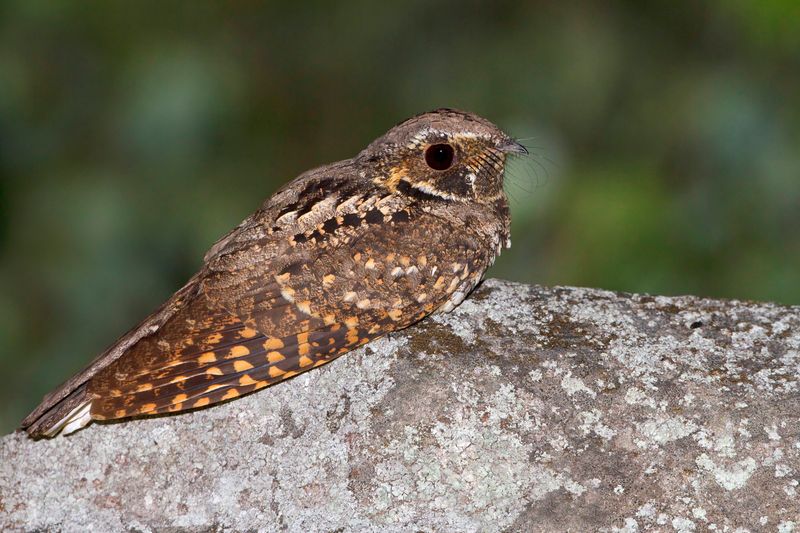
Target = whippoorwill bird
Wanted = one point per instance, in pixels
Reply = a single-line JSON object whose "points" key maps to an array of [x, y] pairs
{"points": [[341, 255]]}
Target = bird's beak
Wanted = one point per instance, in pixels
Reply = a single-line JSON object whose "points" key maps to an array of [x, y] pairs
{"points": [[513, 147]]}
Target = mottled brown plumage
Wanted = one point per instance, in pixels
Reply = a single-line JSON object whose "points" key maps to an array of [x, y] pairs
{"points": [[339, 256]]}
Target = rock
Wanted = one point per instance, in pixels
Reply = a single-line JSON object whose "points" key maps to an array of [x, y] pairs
{"points": [[526, 409]]}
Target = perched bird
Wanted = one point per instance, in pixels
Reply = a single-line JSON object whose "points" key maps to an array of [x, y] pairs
{"points": [[341, 255]]}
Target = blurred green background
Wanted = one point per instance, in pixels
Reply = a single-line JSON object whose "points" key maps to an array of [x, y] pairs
{"points": [[132, 135]]}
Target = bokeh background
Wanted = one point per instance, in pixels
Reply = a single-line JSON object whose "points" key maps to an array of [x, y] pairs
{"points": [[133, 134]]}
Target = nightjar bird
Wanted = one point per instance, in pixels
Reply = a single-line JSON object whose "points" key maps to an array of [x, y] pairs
{"points": [[341, 255]]}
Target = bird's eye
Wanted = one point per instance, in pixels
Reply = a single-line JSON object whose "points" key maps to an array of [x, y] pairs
{"points": [[439, 156]]}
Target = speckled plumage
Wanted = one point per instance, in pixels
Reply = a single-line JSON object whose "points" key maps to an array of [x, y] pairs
{"points": [[339, 256]]}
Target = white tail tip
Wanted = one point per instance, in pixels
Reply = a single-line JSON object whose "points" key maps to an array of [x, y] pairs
{"points": [[75, 420]]}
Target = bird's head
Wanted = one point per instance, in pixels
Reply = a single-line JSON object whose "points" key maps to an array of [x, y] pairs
{"points": [[444, 154]]}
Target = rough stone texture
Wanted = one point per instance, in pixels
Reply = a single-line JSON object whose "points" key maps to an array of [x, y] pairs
{"points": [[526, 409]]}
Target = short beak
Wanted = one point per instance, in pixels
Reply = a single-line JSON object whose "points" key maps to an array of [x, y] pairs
{"points": [[513, 147]]}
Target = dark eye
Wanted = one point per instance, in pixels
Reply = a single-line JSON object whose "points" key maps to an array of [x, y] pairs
{"points": [[439, 156]]}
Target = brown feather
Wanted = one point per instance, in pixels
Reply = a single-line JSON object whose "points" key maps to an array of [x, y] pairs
{"points": [[341, 255]]}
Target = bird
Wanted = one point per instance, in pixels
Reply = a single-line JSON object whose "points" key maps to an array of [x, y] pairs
{"points": [[341, 255]]}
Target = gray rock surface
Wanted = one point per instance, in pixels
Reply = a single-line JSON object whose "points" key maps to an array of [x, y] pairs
{"points": [[526, 409]]}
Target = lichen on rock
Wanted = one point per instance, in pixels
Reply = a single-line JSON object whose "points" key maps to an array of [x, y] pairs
{"points": [[525, 409]]}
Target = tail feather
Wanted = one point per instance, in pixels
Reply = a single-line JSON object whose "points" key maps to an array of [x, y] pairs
{"points": [[68, 415], [75, 420]]}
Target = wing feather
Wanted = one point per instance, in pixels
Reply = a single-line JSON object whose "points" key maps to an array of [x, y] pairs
{"points": [[261, 361], [268, 308], [241, 334]]}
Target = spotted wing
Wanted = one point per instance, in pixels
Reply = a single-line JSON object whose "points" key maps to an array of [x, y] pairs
{"points": [[338, 285], [205, 355]]}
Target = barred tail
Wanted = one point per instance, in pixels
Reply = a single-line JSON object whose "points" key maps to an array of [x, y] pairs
{"points": [[67, 416]]}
